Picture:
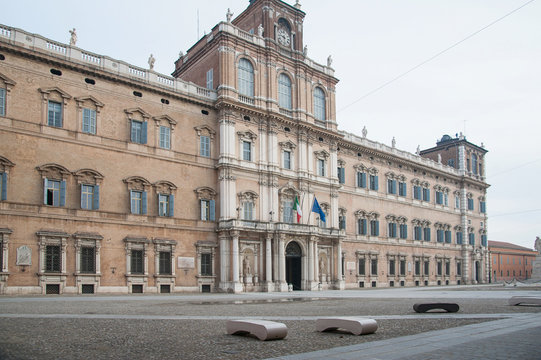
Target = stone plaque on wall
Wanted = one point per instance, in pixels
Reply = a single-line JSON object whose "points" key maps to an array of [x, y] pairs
{"points": [[186, 262], [350, 265], [24, 255]]}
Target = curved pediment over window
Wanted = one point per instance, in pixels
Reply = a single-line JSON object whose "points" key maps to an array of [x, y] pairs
{"points": [[53, 171], [205, 192], [88, 176]]}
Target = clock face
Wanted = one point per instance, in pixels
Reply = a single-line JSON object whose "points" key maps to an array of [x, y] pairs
{"points": [[283, 37]]}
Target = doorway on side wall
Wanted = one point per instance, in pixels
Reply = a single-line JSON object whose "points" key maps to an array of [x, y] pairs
{"points": [[294, 265]]}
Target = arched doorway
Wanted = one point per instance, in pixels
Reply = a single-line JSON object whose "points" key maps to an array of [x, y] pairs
{"points": [[294, 265]]}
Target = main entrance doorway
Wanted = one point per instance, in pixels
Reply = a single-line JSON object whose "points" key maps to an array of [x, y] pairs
{"points": [[294, 265]]}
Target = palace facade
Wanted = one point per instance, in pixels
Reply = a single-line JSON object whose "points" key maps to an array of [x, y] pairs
{"points": [[116, 178]]}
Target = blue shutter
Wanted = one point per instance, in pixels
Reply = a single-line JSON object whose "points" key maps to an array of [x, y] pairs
{"points": [[132, 133], [342, 175], [143, 202], [394, 230], [393, 186], [45, 185], [96, 198], [428, 235], [428, 195], [82, 207], [144, 132], [363, 180], [405, 231], [212, 210], [484, 240], [132, 210], [377, 225], [359, 180], [376, 186], [62, 193], [171, 205], [4, 186]]}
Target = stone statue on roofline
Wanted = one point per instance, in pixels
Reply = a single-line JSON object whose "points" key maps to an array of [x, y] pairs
{"points": [[329, 61], [538, 244], [228, 15], [365, 132], [151, 61], [260, 30], [73, 38]]}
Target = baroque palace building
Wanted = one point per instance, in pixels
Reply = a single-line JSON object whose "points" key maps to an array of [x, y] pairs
{"points": [[116, 178]]}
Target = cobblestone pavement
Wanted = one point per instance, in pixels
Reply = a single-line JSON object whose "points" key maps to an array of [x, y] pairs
{"points": [[192, 326]]}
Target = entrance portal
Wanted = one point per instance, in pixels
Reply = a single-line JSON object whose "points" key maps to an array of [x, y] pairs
{"points": [[477, 271], [294, 265]]}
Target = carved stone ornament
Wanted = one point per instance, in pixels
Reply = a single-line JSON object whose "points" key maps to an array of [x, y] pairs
{"points": [[24, 255]]}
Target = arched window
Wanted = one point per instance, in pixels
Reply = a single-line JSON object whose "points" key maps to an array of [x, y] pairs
{"points": [[284, 91], [246, 78], [319, 104]]}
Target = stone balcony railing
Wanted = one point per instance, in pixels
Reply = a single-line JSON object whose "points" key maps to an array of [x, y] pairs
{"points": [[260, 226], [74, 54]]}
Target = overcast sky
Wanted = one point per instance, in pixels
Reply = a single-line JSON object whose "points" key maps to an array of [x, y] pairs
{"points": [[487, 86]]}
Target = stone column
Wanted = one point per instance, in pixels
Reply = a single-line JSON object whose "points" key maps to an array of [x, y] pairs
{"points": [[224, 263], [339, 282], [269, 286], [237, 286], [281, 264]]}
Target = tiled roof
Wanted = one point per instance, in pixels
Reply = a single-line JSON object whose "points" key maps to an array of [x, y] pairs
{"points": [[506, 245]]}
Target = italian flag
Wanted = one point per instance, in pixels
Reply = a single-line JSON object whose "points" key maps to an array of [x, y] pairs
{"points": [[297, 208]]}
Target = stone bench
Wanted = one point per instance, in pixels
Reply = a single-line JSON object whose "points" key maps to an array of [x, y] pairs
{"points": [[262, 329], [525, 300], [424, 307], [355, 325]]}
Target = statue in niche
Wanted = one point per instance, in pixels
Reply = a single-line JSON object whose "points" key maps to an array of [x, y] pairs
{"points": [[151, 61], [538, 244], [246, 266], [329, 61], [260, 30], [229, 15], [73, 38], [365, 132], [322, 265]]}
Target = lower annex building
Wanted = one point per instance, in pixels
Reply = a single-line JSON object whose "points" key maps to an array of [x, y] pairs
{"points": [[116, 178]]}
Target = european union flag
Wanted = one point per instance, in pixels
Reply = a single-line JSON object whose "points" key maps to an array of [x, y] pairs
{"points": [[317, 209]]}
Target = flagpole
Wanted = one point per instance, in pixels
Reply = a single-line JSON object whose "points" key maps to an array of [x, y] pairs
{"points": [[302, 202], [310, 211]]}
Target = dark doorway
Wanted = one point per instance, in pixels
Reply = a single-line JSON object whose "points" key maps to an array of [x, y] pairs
{"points": [[293, 265], [477, 271]]}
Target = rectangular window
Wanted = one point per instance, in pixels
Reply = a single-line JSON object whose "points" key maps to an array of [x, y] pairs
{"points": [[484, 241], [52, 258], [165, 205], [418, 233], [459, 237], [439, 198], [362, 227], [288, 211], [90, 198], [374, 228], [427, 268], [470, 204], [392, 230], [207, 210], [88, 259], [391, 186], [206, 264], [457, 202], [448, 236], [138, 201], [165, 137], [165, 262], [321, 167], [374, 182], [287, 160], [204, 148], [482, 207], [342, 222], [210, 79], [402, 267], [2, 102], [374, 267], [391, 267], [426, 194], [341, 175], [248, 210], [458, 268], [137, 262], [439, 267], [402, 189], [54, 114], [426, 233], [403, 231], [139, 132], [362, 267], [439, 235], [471, 238], [417, 192], [54, 192], [417, 268], [89, 121], [447, 268], [246, 151], [361, 180]]}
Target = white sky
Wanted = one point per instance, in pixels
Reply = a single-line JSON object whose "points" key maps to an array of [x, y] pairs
{"points": [[488, 87]]}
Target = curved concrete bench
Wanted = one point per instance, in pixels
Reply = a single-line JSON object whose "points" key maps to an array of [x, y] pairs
{"points": [[262, 329], [525, 300], [355, 325], [449, 307]]}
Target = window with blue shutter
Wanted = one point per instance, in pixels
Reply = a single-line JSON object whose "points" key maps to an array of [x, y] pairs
{"points": [[426, 194], [448, 236], [2, 102], [342, 222], [144, 203], [341, 175], [392, 230], [417, 192], [89, 121], [482, 207], [403, 231], [439, 235], [212, 210], [374, 182], [374, 228], [54, 192], [204, 146], [471, 237], [4, 186], [402, 189], [362, 227], [418, 231], [470, 204], [427, 234], [459, 237], [54, 114], [139, 132], [439, 198], [136, 201], [361, 179], [484, 241], [391, 186], [171, 212]]}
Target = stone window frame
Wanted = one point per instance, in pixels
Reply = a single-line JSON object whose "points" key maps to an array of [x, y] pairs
{"points": [[206, 247], [373, 255], [392, 257], [136, 243], [445, 191], [52, 238], [4, 253], [398, 178], [62, 97], [424, 185], [89, 177], [167, 188], [342, 215], [325, 207], [54, 172], [368, 216], [163, 245], [289, 147], [142, 117], [88, 102], [7, 84], [243, 198], [165, 121], [324, 156], [140, 184], [83, 239], [204, 130], [249, 137], [205, 193], [287, 193], [360, 254], [5, 168]]}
